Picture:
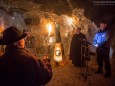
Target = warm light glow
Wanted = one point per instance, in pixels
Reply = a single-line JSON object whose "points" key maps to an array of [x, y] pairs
{"points": [[70, 20], [58, 59], [57, 48], [1, 25], [58, 52], [49, 26], [50, 40]]}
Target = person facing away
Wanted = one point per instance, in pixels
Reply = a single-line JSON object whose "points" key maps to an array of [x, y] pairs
{"points": [[102, 42], [78, 40], [18, 67]]}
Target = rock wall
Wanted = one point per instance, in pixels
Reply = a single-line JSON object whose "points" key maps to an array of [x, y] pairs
{"points": [[34, 22], [32, 18]]}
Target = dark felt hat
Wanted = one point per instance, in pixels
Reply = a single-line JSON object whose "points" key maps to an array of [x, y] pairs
{"points": [[104, 21], [11, 35]]}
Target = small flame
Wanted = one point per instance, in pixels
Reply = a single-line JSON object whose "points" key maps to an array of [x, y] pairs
{"points": [[49, 26]]}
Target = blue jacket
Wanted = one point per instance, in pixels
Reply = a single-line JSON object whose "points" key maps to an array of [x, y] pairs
{"points": [[101, 38]]}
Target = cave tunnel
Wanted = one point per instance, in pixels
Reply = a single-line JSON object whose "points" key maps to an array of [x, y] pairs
{"points": [[48, 22]]}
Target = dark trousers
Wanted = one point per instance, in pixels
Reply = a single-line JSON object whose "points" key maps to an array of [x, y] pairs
{"points": [[103, 56]]}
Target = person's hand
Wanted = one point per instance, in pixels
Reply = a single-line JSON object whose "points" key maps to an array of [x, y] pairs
{"points": [[96, 45], [45, 59]]}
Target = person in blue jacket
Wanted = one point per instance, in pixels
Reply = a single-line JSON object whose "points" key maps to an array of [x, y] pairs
{"points": [[102, 44]]}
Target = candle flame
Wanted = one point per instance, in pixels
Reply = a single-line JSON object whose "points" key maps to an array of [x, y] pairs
{"points": [[49, 26]]}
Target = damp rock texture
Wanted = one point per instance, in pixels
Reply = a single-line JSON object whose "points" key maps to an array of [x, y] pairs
{"points": [[32, 18], [37, 16]]}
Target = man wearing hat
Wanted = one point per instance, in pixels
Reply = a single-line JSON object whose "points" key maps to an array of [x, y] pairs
{"points": [[18, 67], [102, 42]]}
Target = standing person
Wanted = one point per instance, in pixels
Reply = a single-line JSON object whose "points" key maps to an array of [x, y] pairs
{"points": [[75, 48], [18, 67], [102, 42]]}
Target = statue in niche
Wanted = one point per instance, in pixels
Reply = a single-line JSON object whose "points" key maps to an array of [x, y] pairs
{"points": [[57, 32], [58, 39]]}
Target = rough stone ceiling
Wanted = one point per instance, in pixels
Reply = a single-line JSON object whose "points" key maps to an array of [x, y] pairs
{"points": [[59, 7]]}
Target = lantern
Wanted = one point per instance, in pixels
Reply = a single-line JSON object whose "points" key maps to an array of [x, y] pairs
{"points": [[58, 52]]}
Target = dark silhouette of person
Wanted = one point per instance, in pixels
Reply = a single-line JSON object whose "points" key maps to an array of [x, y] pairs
{"points": [[18, 67], [102, 42], [78, 40]]}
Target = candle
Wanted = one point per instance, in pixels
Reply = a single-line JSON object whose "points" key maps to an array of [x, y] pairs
{"points": [[49, 26], [48, 38]]}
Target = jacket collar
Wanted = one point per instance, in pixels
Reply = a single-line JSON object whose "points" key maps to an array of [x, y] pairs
{"points": [[10, 48]]}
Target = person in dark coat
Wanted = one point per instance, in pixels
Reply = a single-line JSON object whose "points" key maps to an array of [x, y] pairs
{"points": [[18, 67], [78, 40], [102, 42]]}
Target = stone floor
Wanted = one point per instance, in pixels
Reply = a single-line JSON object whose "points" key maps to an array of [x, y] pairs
{"points": [[69, 75]]}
